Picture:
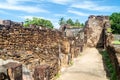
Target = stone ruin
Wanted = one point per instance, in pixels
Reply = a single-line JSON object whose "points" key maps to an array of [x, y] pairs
{"points": [[97, 35], [95, 28], [75, 36], [43, 52], [35, 48]]}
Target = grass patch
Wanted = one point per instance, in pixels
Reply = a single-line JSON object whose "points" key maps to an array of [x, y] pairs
{"points": [[116, 42], [57, 76], [71, 63], [109, 30], [109, 65]]}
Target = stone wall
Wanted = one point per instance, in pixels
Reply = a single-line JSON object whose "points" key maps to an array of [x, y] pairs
{"points": [[33, 47], [116, 37], [111, 49], [114, 59], [97, 34], [94, 30]]}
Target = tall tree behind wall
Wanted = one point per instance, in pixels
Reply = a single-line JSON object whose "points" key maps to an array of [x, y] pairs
{"points": [[69, 21], [77, 23], [62, 21]]}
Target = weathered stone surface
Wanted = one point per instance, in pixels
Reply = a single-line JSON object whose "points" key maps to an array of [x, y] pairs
{"points": [[14, 71], [117, 48], [38, 46], [114, 59], [93, 29], [41, 73], [33, 47], [75, 36], [11, 71]]}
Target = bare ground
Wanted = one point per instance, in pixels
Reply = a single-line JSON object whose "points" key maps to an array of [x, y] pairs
{"points": [[89, 66]]}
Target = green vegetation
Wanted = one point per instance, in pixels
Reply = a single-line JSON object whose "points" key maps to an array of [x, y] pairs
{"points": [[38, 22], [62, 21], [57, 75], [71, 63], [109, 30], [116, 42], [77, 23], [115, 22], [70, 22], [109, 66]]}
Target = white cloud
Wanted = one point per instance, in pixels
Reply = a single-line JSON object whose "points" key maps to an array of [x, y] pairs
{"points": [[11, 1], [60, 15], [15, 5], [30, 17], [19, 1], [78, 13], [25, 17], [90, 5], [28, 9], [63, 2], [56, 25]]}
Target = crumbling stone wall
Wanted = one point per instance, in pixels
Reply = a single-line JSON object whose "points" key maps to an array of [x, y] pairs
{"points": [[33, 47], [94, 29], [114, 59], [97, 34]]}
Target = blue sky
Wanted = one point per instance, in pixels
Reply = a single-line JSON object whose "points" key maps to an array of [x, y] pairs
{"points": [[19, 10]]}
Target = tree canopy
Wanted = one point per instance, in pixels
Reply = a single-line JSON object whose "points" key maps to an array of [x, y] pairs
{"points": [[77, 23], [115, 22], [38, 22], [62, 21], [70, 22]]}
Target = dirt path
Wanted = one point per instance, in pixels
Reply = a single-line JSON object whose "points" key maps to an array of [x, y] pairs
{"points": [[89, 66]]}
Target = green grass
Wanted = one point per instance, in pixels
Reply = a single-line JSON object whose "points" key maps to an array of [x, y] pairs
{"points": [[109, 66], [109, 30], [57, 76], [116, 42], [71, 63]]}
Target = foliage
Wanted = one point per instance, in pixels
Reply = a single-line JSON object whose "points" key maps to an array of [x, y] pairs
{"points": [[115, 22], [57, 76], [77, 23], [38, 22], [71, 63], [109, 30], [82, 25], [109, 66], [70, 22], [62, 21], [116, 42]]}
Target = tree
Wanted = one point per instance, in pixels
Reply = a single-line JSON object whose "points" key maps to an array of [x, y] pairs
{"points": [[69, 21], [38, 22], [48, 24], [115, 22], [77, 23], [27, 22], [62, 21], [82, 25]]}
